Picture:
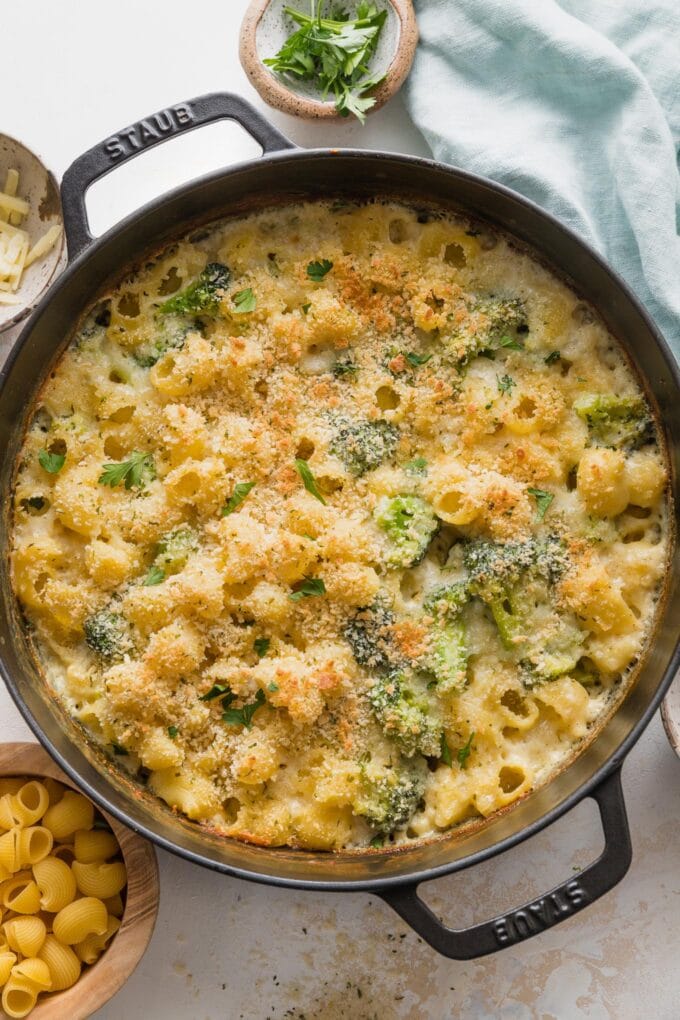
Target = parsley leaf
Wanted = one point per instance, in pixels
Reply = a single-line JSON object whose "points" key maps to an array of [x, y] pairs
{"points": [[51, 462], [377, 842], [261, 645], [172, 732], [215, 692], [511, 343], [244, 716], [543, 501], [245, 301], [156, 575], [417, 359], [136, 472], [334, 55], [505, 383], [305, 308], [463, 753], [241, 490], [310, 586], [317, 270], [304, 471], [445, 751], [551, 358], [273, 686]]}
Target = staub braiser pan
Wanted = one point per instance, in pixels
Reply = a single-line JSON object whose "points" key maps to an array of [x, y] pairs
{"points": [[287, 173]]}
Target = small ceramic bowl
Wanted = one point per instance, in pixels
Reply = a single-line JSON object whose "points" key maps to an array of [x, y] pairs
{"points": [[40, 189], [670, 714], [266, 27], [98, 983]]}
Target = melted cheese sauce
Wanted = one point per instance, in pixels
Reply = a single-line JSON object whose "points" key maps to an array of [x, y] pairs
{"points": [[283, 671]]}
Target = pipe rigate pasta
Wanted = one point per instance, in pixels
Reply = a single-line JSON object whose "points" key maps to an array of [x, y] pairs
{"points": [[63, 963], [56, 882], [25, 935], [30, 803], [71, 813], [358, 531], [18, 997], [100, 878], [91, 948], [94, 845], [77, 920]]}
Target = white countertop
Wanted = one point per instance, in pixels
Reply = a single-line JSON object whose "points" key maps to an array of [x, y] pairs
{"points": [[72, 73]]}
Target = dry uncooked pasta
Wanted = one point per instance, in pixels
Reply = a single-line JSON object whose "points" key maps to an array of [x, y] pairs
{"points": [[49, 926]]}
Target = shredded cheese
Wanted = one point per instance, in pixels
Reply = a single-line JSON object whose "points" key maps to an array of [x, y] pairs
{"points": [[16, 252]]}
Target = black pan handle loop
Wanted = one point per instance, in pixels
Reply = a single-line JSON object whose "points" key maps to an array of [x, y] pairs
{"points": [[562, 902], [128, 143]]}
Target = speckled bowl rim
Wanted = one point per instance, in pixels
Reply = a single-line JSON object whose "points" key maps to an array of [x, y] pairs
{"points": [[25, 310], [671, 722], [277, 95]]}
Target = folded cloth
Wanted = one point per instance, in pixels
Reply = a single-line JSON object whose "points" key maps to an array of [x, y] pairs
{"points": [[575, 104]]}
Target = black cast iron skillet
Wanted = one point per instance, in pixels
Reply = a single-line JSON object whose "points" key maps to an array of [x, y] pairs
{"points": [[286, 174]]}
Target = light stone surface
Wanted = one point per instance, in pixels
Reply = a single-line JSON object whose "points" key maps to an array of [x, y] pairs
{"points": [[71, 74]]}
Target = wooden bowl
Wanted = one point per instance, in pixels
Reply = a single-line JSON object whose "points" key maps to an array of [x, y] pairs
{"points": [[103, 979], [266, 27], [39, 187]]}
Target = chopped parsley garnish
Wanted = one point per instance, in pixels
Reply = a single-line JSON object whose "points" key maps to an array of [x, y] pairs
{"points": [[317, 270], [241, 490], [306, 307], [51, 462], [156, 575], [310, 587], [377, 842], [543, 501], [216, 691], [33, 503], [245, 301], [172, 732], [273, 686], [304, 471], [244, 716], [511, 343], [136, 472], [334, 54], [417, 466], [117, 748], [417, 359], [463, 753], [261, 645], [345, 365], [551, 358], [445, 752], [505, 383]]}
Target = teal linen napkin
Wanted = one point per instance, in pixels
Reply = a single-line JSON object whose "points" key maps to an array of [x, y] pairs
{"points": [[574, 104]]}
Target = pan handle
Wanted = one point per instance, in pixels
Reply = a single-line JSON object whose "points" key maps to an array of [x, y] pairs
{"points": [[557, 905], [128, 143]]}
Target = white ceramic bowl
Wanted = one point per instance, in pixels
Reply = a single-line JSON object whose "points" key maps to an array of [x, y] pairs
{"points": [[40, 189]]}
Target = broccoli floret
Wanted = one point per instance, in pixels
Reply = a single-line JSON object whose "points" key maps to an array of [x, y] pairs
{"points": [[447, 655], [108, 634], [407, 712], [618, 421], [410, 524], [363, 445], [174, 549], [370, 638], [345, 366], [171, 332], [515, 580], [491, 324], [391, 791], [202, 297]]}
